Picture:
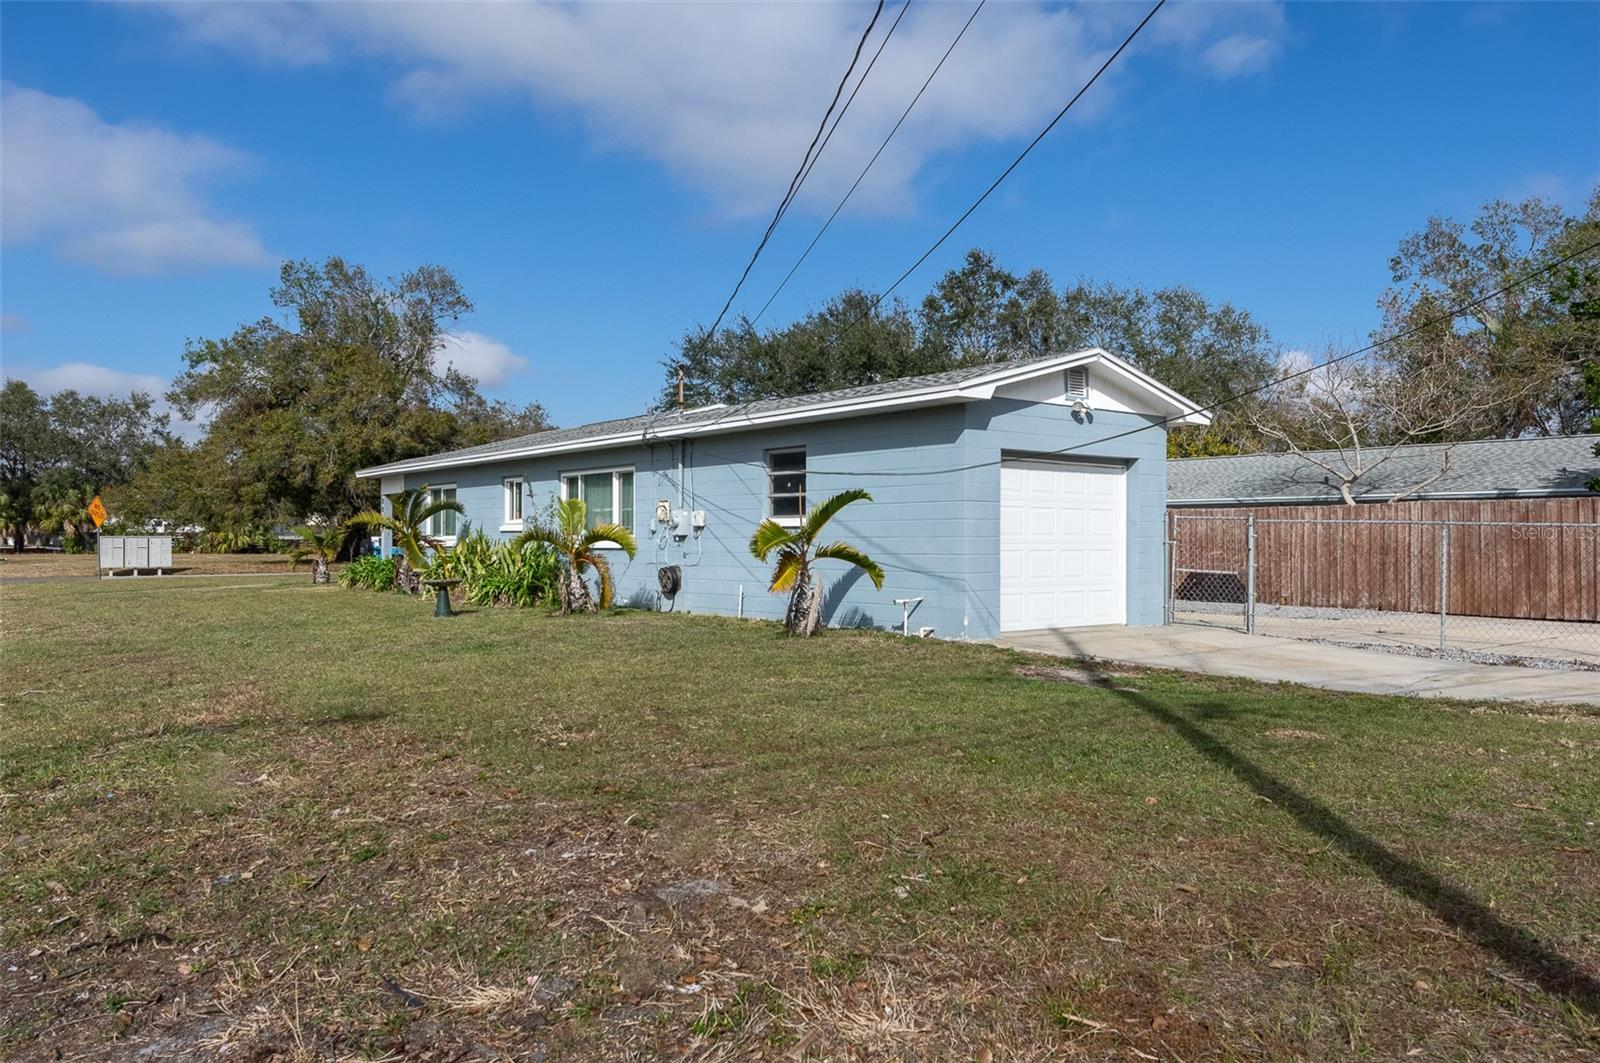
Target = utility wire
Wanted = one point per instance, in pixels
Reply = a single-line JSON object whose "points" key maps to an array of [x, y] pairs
{"points": [[872, 161], [800, 173], [852, 98], [987, 192], [806, 165], [877, 300], [1440, 318]]}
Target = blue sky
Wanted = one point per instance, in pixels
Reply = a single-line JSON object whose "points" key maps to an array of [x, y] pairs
{"points": [[597, 175]]}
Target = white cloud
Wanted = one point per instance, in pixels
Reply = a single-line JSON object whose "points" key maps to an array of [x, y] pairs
{"points": [[726, 96], [87, 378], [1295, 362], [1224, 40], [122, 197], [1239, 54], [484, 358], [1306, 375]]}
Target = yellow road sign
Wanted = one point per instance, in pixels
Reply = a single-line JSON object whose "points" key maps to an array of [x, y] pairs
{"points": [[97, 510]]}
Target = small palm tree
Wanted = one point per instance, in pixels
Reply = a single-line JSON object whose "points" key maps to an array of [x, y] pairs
{"points": [[319, 545], [797, 551], [61, 507], [579, 547], [407, 521]]}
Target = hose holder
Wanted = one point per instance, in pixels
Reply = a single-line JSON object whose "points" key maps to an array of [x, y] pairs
{"points": [[670, 578]]}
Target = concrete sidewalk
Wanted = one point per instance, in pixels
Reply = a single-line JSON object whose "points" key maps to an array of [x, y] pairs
{"points": [[1219, 651]]}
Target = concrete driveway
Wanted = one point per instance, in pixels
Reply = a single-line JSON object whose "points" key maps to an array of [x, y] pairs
{"points": [[1219, 651]]}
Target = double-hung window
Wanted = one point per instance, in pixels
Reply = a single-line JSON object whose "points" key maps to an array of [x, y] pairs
{"points": [[608, 494], [786, 485], [511, 518], [443, 525]]}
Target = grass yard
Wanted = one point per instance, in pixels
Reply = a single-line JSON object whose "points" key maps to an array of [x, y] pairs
{"points": [[258, 819], [40, 564]]}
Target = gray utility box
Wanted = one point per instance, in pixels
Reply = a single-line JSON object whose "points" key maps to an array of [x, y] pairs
{"points": [[137, 552]]}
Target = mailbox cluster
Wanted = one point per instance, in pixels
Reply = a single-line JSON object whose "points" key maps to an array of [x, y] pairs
{"points": [[138, 553]]}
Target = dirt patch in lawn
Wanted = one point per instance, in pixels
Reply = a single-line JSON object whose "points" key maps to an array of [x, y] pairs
{"points": [[364, 892], [1297, 733], [1063, 674], [361, 893]]}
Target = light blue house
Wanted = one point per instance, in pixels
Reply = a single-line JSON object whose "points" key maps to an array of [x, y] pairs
{"points": [[1010, 497]]}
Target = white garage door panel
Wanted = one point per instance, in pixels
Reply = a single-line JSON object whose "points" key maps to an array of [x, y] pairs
{"points": [[1063, 550]]}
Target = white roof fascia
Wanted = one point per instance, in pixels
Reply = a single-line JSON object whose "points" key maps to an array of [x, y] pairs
{"points": [[973, 390]]}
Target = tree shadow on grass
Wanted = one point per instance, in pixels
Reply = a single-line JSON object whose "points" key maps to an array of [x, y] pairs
{"points": [[1515, 946]]}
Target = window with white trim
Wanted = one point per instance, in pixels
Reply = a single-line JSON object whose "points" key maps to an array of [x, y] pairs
{"points": [[511, 486], [443, 525], [608, 494], [786, 485]]}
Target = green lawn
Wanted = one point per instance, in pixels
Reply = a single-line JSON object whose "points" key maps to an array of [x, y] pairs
{"points": [[248, 817]]}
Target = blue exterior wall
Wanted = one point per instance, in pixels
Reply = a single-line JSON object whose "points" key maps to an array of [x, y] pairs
{"points": [[933, 523]]}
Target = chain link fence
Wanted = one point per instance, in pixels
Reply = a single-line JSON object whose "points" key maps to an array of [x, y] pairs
{"points": [[1499, 592]]}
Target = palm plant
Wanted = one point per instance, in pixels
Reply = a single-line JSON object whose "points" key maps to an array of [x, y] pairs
{"points": [[61, 507], [407, 521], [235, 539], [798, 551], [319, 545], [579, 548]]}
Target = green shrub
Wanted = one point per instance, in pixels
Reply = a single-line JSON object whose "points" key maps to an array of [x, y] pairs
{"points": [[373, 573], [521, 576], [237, 539], [496, 573]]}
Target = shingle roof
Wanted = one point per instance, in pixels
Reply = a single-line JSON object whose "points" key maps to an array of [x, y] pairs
{"points": [[703, 414], [666, 422], [1489, 468]]}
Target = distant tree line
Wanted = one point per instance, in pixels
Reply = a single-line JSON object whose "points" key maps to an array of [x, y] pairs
{"points": [[1515, 365], [57, 453], [982, 313]]}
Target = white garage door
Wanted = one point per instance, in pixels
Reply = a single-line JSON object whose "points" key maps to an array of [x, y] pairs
{"points": [[1063, 545]]}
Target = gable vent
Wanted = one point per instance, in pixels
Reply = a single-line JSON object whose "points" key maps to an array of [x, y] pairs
{"points": [[1077, 383]]}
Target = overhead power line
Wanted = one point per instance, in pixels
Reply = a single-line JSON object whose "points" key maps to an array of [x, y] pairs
{"points": [[851, 99], [996, 183], [877, 300], [872, 161], [800, 172]]}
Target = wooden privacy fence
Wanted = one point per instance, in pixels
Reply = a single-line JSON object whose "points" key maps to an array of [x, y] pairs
{"points": [[1535, 559]]}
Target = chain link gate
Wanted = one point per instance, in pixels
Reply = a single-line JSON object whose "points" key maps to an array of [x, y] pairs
{"points": [[1491, 591], [1210, 575]]}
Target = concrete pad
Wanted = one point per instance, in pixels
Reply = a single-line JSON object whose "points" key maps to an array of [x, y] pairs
{"points": [[1558, 640], [1220, 651]]}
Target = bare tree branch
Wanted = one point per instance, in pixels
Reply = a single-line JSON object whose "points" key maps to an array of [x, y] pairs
{"points": [[1351, 418]]}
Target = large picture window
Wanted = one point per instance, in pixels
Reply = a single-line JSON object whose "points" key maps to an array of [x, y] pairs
{"points": [[786, 485], [608, 494], [443, 525]]}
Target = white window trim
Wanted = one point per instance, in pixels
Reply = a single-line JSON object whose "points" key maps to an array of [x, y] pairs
{"points": [[766, 461], [447, 540], [508, 523], [616, 492]]}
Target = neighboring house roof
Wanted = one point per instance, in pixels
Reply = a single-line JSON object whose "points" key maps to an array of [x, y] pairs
{"points": [[1488, 468], [968, 384]]}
